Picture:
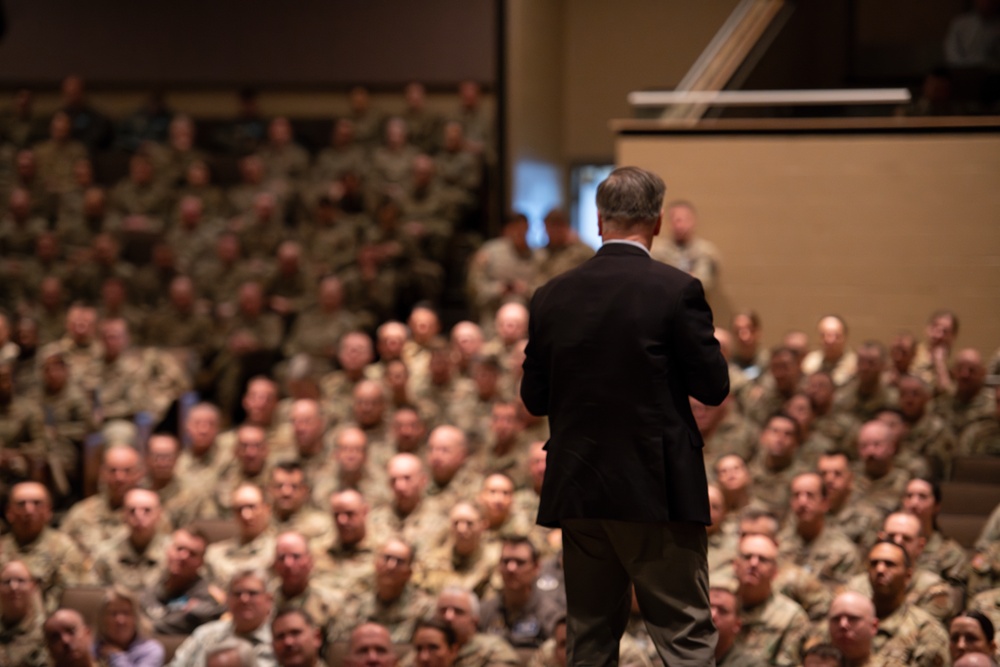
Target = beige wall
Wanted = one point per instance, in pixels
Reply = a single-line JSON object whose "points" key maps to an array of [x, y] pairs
{"points": [[882, 229], [571, 64]]}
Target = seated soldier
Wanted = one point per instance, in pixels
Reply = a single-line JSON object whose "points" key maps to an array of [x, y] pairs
{"points": [[297, 638], [253, 546], [724, 430], [982, 437], [251, 454], [289, 493], [349, 468], [868, 392], [135, 560], [856, 517], [722, 538], [370, 645], [941, 555], [925, 589], [834, 358], [809, 542], [986, 558], [773, 627], [506, 446], [249, 604], [906, 633], [763, 398], [346, 561], [408, 513], [838, 425], [776, 462], [53, 558], [880, 482], [814, 442], [465, 560], [394, 600], [497, 500], [451, 474], [21, 616], [459, 608], [181, 600], [293, 565], [927, 434], [852, 626], [95, 520], [969, 400], [726, 608], [162, 454], [522, 614], [354, 353]]}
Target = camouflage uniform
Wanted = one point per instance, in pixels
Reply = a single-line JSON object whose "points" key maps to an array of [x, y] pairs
{"points": [[322, 604], [946, 557], [839, 427], [54, 560], [442, 567], [119, 562], [487, 460], [773, 631], [152, 200], [463, 486], [484, 650], [885, 493], [553, 261], [424, 528], [226, 558], [317, 333], [21, 432], [771, 488], [911, 636], [348, 570], [699, 257], [93, 522], [630, 654], [842, 371], [192, 652], [988, 602], [986, 560], [926, 591], [399, 616], [168, 327], [23, 644], [761, 399], [931, 438], [831, 556], [735, 434], [492, 269], [55, 161], [308, 522], [958, 414], [333, 162], [980, 438], [859, 520]]}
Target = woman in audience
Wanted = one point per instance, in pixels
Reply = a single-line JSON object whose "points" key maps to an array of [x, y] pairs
{"points": [[122, 637]]}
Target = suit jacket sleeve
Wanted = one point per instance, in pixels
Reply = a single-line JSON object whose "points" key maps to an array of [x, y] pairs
{"points": [[535, 381], [702, 365]]}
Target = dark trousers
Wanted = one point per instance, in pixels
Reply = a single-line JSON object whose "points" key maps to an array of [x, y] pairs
{"points": [[667, 565]]}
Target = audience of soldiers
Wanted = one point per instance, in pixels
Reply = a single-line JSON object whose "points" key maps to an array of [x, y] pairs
{"points": [[240, 412]]}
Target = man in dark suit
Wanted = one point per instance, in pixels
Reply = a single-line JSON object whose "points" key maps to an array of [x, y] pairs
{"points": [[615, 347]]}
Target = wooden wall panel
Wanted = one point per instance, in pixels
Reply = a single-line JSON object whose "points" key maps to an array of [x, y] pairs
{"points": [[882, 229]]}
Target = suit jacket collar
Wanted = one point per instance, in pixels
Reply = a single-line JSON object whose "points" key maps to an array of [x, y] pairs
{"points": [[617, 248]]}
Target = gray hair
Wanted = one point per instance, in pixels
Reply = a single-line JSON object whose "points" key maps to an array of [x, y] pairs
{"points": [[630, 196], [470, 595], [243, 648]]}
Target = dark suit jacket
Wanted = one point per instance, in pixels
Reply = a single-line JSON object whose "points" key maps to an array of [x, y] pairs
{"points": [[615, 347]]}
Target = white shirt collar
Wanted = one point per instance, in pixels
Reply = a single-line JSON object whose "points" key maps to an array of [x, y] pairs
{"points": [[627, 242]]}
